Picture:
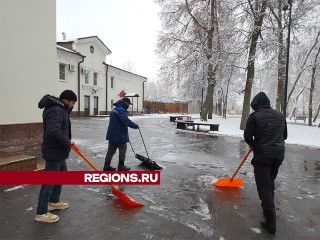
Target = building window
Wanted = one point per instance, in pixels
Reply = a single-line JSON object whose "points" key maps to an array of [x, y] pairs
{"points": [[112, 82], [62, 71], [86, 77], [112, 103], [95, 79]]}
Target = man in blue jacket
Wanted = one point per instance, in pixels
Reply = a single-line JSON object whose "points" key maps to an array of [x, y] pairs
{"points": [[55, 149], [265, 132], [117, 134]]}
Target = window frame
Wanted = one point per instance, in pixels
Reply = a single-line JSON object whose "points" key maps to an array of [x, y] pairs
{"points": [[64, 72], [87, 77], [95, 78], [112, 83]]}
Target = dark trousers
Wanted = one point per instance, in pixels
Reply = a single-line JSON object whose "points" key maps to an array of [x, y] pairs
{"points": [[112, 148], [265, 172], [50, 193]]}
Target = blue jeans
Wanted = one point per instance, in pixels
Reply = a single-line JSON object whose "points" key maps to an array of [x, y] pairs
{"points": [[50, 193]]}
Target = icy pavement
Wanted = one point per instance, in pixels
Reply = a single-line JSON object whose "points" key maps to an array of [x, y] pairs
{"points": [[185, 205]]}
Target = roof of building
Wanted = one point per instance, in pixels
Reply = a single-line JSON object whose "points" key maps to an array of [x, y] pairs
{"points": [[85, 38], [124, 70], [69, 50], [97, 38], [131, 95]]}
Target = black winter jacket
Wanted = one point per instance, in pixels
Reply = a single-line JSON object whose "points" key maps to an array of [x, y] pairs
{"points": [[266, 129], [56, 129]]}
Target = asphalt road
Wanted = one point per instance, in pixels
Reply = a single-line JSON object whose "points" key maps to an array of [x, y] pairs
{"points": [[185, 205]]}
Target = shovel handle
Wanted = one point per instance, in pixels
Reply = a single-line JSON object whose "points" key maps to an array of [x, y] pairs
{"points": [[243, 160], [77, 150], [144, 143]]}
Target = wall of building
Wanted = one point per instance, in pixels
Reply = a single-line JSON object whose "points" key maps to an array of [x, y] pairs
{"points": [[28, 58], [27, 63], [71, 81], [93, 62], [130, 83]]}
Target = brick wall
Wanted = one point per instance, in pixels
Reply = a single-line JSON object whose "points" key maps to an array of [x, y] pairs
{"points": [[19, 137]]}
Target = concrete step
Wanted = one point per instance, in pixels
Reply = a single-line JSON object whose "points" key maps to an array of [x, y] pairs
{"points": [[12, 162], [17, 162]]}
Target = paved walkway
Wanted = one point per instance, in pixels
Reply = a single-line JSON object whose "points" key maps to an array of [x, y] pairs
{"points": [[185, 205]]}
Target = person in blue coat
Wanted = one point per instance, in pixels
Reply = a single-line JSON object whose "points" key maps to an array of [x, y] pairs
{"points": [[117, 134]]}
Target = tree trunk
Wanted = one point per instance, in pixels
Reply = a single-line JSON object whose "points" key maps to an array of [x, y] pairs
{"points": [[281, 61], [312, 85], [311, 95], [251, 61], [207, 108], [225, 102], [316, 115]]}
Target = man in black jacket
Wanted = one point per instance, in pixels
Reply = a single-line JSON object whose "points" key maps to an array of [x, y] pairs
{"points": [[55, 149], [265, 132]]}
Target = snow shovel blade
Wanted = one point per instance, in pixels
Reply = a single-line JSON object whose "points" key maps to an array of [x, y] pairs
{"points": [[115, 191], [233, 182], [148, 162], [120, 195], [226, 182]]}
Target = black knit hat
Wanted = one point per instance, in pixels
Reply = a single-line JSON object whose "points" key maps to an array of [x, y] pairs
{"points": [[127, 100], [68, 95]]}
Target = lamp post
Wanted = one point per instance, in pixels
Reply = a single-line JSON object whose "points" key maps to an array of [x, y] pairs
{"points": [[285, 8]]}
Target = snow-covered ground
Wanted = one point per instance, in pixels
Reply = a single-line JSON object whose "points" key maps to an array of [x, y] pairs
{"points": [[298, 133]]}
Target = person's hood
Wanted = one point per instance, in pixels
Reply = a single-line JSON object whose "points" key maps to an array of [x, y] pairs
{"points": [[48, 101], [261, 99], [121, 103]]}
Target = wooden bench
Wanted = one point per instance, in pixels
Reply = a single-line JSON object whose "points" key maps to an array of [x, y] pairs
{"points": [[213, 126], [182, 124], [173, 118], [300, 118]]}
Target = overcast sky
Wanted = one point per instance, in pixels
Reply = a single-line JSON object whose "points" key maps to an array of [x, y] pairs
{"points": [[128, 28]]}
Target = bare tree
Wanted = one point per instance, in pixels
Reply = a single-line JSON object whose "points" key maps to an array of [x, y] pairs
{"points": [[129, 65], [312, 85], [258, 12], [281, 53], [304, 65]]}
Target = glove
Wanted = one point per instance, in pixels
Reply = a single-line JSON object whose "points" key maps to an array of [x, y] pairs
{"points": [[72, 142], [137, 126]]}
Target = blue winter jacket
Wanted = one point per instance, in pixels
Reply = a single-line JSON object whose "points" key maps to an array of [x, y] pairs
{"points": [[119, 123], [56, 129]]}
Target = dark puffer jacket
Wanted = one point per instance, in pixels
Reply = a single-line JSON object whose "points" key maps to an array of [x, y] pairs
{"points": [[266, 129], [119, 123], [56, 129]]}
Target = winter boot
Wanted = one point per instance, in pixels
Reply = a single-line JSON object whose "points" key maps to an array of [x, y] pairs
{"points": [[122, 167], [107, 166], [270, 220]]}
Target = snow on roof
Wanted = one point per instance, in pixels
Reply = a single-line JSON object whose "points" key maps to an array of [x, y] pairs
{"points": [[67, 50], [132, 95], [169, 100]]}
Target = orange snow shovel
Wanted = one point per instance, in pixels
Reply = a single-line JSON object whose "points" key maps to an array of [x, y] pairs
{"points": [[115, 191], [233, 182]]}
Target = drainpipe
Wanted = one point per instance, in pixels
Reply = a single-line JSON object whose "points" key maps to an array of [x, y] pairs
{"points": [[143, 93], [79, 70]]}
